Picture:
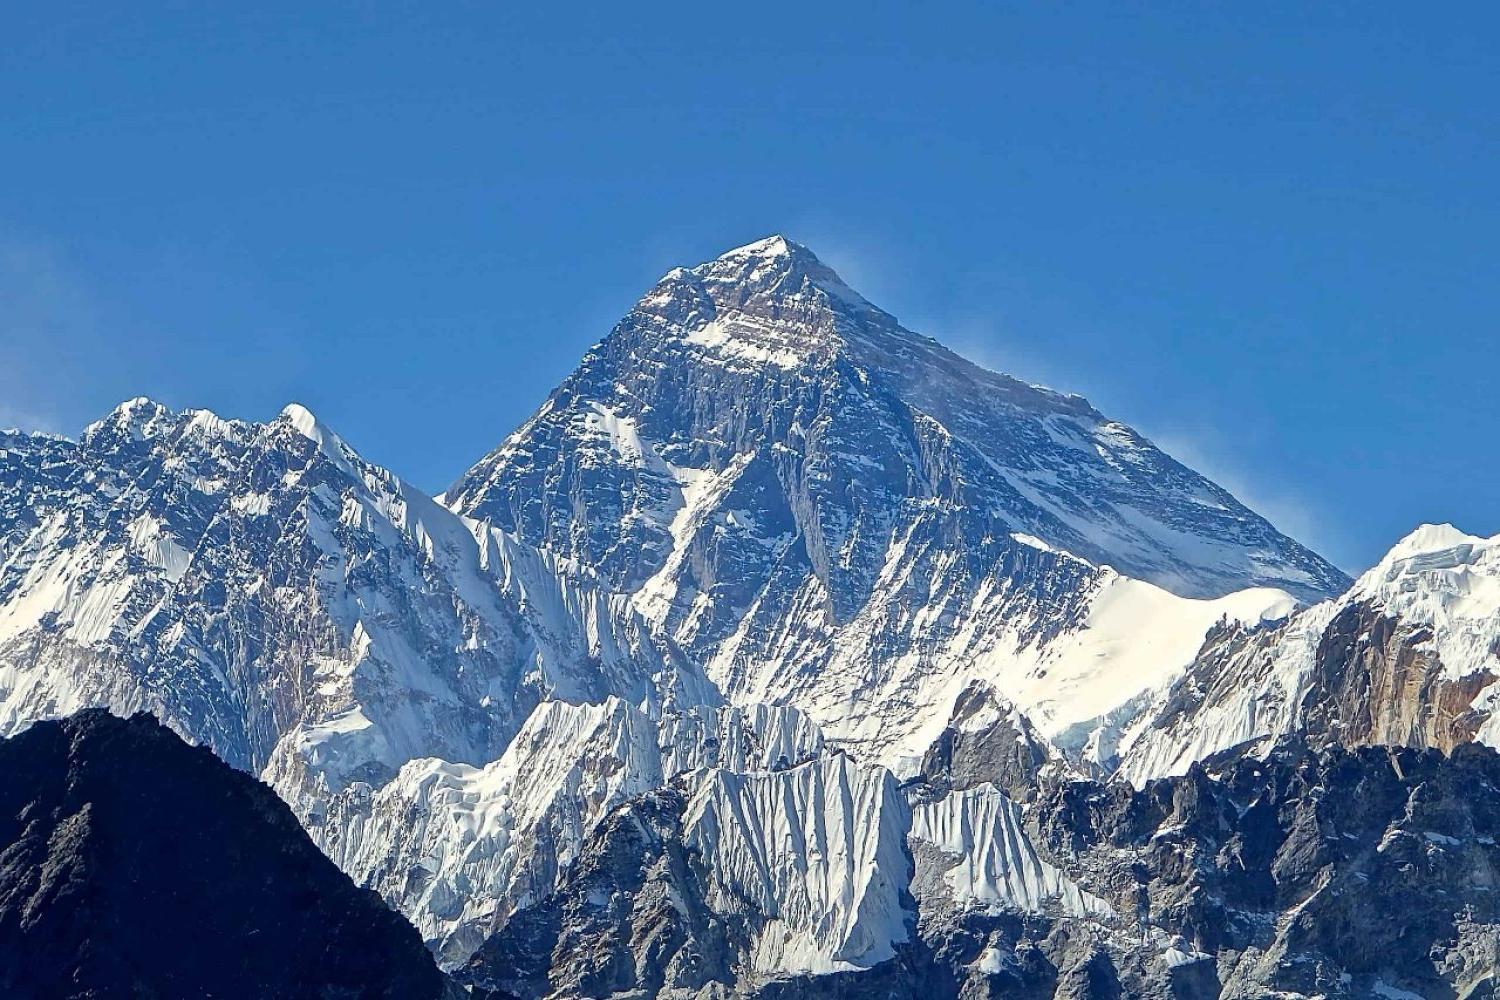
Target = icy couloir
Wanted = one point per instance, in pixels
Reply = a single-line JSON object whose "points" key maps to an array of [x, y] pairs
{"points": [[814, 854], [991, 862]]}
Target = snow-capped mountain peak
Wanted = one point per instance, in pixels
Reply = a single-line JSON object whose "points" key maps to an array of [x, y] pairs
{"points": [[136, 418], [304, 420], [1426, 543], [265, 590], [819, 505], [780, 265], [1410, 654], [776, 621]]}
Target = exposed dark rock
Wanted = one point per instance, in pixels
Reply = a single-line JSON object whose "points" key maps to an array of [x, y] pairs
{"points": [[1378, 680], [134, 865], [630, 919], [986, 740]]}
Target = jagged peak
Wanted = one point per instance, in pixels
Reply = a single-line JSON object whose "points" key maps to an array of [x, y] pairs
{"points": [[775, 245], [137, 408], [980, 705], [1427, 538], [137, 417], [1428, 549], [1427, 546], [303, 421], [780, 266], [143, 418]]}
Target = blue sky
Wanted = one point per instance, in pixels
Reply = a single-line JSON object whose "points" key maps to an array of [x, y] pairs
{"points": [[1264, 234]]}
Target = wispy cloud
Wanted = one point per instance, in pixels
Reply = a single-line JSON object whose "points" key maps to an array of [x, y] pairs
{"points": [[46, 315], [1213, 454], [1208, 451]]}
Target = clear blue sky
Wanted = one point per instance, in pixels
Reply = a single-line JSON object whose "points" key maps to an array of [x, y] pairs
{"points": [[1264, 234]]}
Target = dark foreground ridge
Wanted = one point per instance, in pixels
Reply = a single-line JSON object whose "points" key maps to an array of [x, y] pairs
{"points": [[134, 865]]}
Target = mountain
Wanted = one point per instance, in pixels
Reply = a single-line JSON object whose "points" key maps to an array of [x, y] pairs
{"points": [[267, 592], [783, 652], [133, 865], [1409, 655], [314, 620], [461, 849], [825, 508]]}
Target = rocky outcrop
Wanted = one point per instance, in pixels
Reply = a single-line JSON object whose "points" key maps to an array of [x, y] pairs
{"points": [[989, 741], [1377, 679], [134, 865]]}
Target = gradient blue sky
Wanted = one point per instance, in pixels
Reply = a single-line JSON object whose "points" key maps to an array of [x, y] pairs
{"points": [[1263, 234]]}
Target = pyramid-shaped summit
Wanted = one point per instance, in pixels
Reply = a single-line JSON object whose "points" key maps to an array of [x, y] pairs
{"points": [[801, 492], [776, 259], [771, 302], [764, 352]]}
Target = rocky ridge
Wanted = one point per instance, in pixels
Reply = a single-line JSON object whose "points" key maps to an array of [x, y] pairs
{"points": [[134, 865], [822, 506]]}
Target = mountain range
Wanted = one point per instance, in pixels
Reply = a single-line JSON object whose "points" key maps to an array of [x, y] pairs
{"points": [[785, 652]]}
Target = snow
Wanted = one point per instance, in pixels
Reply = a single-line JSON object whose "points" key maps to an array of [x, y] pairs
{"points": [[153, 542], [453, 708], [1032, 541], [502, 833], [818, 849], [1133, 639], [481, 834], [745, 339], [1137, 637], [302, 420], [698, 493], [1174, 957], [1442, 577], [775, 245], [1263, 705], [621, 433], [995, 865]]}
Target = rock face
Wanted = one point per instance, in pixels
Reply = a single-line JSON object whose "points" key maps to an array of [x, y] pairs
{"points": [[134, 865], [989, 741]]}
